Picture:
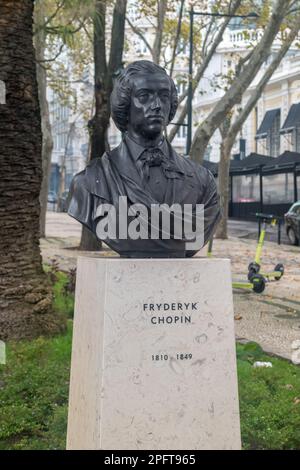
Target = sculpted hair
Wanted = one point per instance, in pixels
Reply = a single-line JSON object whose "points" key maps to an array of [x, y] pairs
{"points": [[120, 97]]}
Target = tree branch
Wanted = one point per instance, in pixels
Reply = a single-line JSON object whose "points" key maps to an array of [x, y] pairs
{"points": [[241, 82], [241, 118], [139, 33], [178, 31], [53, 58], [117, 38], [161, 13], [99, 42], [202, 68], [50, 18]]}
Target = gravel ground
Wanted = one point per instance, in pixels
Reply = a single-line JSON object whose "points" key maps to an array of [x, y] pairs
{"points": [[272, 318]]}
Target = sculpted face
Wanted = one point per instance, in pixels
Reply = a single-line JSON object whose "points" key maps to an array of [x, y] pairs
{"points": [[150, 105]]}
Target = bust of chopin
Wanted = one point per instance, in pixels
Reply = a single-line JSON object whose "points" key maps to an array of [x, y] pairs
{"points": [[127, 195]]}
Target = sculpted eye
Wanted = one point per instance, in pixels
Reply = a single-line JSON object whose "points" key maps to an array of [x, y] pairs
{"points": [[143, 96]]}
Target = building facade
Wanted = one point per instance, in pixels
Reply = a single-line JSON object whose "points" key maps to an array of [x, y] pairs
{"points": [[271, 128]]}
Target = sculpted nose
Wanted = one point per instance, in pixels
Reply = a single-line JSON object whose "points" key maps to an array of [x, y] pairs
{"points": [[156, 104]]}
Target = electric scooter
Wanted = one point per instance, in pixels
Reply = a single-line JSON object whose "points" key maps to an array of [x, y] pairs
{"points": [[255, 266], [256, 282]]}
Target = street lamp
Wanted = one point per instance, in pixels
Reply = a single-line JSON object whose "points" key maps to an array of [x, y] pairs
{"points": [[193, 13]]}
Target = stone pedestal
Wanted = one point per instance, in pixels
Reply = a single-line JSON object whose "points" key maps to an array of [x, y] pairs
{"points": [[153, 361]]}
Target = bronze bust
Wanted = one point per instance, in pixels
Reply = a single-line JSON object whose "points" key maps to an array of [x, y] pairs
{"points": [[144, 171]]}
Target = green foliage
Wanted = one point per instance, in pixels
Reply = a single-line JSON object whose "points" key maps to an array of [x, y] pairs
{"points": [[63, 288], [67, 25], [63, 296]]}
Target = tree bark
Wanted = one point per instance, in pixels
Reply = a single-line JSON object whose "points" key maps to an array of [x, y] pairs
{"points": [[177, 37], [25, 293], [161, 13], [47, 143], [223, 185], [100, 121]]}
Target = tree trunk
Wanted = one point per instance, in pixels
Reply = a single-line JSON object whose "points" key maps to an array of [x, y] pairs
{"points": [[104, 74], [89, 241], [47, 143], [177, 37], [100, 121], [161, 13], [223, 185], [62, 173], [25, 293]]}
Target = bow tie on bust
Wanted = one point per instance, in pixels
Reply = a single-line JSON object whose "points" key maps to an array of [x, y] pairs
{"points": [[155, 157]]}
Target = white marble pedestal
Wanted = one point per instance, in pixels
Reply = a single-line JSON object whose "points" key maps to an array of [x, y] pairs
{"points": [[153, 360]]}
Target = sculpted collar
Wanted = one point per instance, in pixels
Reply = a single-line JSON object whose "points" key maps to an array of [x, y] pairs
{"points": [[137, 150]]}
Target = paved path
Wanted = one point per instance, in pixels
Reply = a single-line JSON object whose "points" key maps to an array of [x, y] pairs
{"points": [[272, 318], [248, 229]]}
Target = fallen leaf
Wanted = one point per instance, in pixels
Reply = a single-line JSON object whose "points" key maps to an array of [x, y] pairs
{"points": [[238, 317]]}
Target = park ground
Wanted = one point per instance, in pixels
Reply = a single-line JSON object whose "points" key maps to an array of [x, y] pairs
{"points": [[271, 319], [34, 382]]}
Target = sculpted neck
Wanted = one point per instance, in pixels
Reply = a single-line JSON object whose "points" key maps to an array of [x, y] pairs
{"points": [[145, 141]]}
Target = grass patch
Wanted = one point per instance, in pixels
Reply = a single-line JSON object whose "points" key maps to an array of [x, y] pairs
{"points": [[34, 384], [34, 392], [63, 299], [269, 401]]}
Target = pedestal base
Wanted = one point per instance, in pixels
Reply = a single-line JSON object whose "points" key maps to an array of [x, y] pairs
{"points": [[153, 360]]}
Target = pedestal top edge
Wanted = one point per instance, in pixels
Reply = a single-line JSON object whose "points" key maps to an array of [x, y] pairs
{"points": [[114, 259]]}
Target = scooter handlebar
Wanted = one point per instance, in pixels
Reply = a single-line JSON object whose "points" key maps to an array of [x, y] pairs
{"points": [[268, 218]]}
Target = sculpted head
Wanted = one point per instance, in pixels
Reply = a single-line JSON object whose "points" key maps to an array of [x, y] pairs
{"points": [[144, 99]]}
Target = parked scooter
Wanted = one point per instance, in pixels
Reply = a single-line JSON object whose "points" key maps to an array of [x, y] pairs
{"points": [[256, 282], [255, 266]]}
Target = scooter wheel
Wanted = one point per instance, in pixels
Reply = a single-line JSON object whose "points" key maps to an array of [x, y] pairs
{"points": [[279, 267], [253, 268], [258, 283]]}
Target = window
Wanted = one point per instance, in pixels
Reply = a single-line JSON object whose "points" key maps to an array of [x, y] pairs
{"points": [[295, 209], [273, 138], [182, 47], [182, 132], [245, 188], [278, 188], [181, 87], [269, 132], [140, 46], [296, 139]]}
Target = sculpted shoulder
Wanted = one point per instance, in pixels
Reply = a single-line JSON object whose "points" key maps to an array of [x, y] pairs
{"points": [[201, 173], [90, 173], [91, 181]]}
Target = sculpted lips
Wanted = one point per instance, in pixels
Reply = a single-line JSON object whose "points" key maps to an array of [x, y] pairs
{"points": [[157, 117]]}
